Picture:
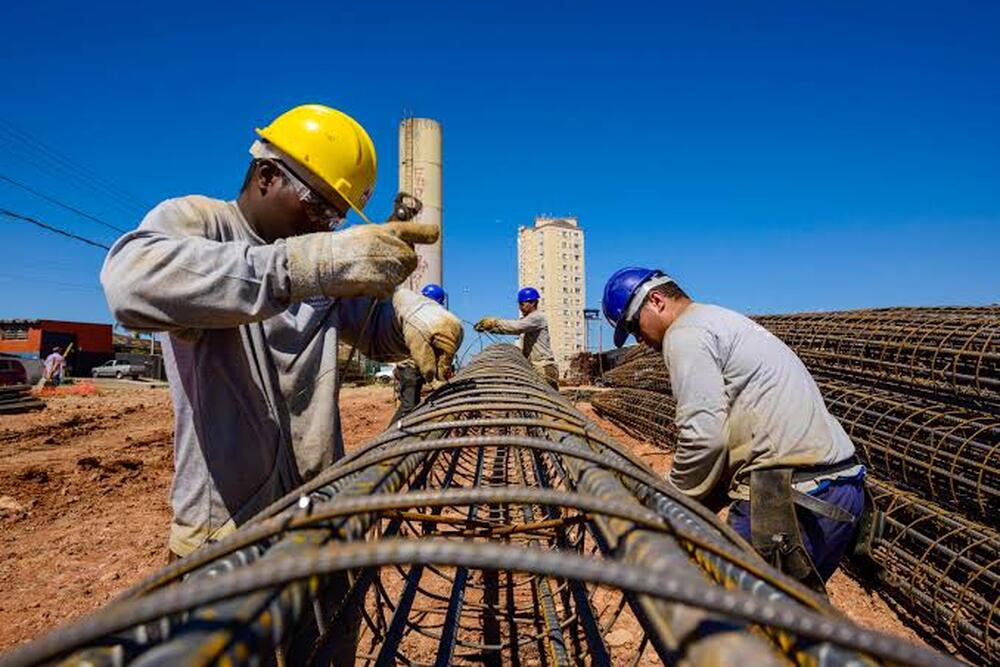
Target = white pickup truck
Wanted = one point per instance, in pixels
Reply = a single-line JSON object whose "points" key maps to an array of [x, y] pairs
{"points": [[117, 368]]}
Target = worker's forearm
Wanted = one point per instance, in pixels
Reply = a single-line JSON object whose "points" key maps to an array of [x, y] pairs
{"points": [[155, 281], [700, 456], [381, 338], [517, 327], [697, 384]]}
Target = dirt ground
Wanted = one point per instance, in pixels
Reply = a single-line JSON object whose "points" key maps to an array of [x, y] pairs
{"points": [[84, 512]]}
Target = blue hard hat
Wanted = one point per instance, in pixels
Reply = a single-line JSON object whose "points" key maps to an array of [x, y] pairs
{"points": [[618, 292], [435, 292], [528, 294]]}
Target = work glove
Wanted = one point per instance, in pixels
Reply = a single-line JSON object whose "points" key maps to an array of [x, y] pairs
{"points": [[432, 334], [485, 324], [364, 260]]}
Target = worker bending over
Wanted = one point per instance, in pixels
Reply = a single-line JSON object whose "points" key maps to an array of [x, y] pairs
{"points": [[751, 424], [534, 331], [409, 380], [255, 295]]}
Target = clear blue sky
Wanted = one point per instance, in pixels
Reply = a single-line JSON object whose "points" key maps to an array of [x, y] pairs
{"points": [[774, 157]]}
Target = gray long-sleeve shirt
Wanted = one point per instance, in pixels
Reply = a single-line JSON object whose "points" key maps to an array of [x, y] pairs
{"points": [[534, 331], [253, 375], [745, 401]]}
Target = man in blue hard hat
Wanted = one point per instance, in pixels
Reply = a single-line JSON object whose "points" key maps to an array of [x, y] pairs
{"points": [[435, 292], [752, 425], [534, 331], [409, 379]]}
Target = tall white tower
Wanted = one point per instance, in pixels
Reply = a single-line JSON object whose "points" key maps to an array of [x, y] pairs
{"points": [[420, 176]]}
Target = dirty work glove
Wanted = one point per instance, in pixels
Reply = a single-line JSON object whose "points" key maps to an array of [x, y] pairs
{"points": [[364, 260], [485, 324], [432, 334]]}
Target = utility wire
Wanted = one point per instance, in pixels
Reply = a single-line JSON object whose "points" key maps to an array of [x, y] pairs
{"points": [[34, 150], [55, 201], [55, 230], [22, 278]]}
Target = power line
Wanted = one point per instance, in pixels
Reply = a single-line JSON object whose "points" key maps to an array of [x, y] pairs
{"points": [[56, 230], [55, 201], [35, 279], [34, 149]]}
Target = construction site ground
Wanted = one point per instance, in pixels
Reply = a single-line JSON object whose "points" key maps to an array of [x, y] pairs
{"points": [[84, 508]]}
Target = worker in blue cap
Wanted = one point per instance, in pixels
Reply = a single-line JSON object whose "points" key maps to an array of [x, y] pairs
{"points": [[752, 425], [533, 328], [409, 379], [435, 292]]}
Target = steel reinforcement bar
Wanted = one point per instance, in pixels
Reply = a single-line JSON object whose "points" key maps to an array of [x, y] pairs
{"points": [[647, 415], [494, 525], [942, 570], [948, 454], [953, 352]]}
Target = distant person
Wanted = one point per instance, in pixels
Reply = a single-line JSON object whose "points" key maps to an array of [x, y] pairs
{"points": [[533, 328], [55, 364], [752, 425], [255, 295], [408, 379]]}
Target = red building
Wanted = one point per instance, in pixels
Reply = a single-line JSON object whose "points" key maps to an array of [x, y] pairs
{"points": [[92, 343]]}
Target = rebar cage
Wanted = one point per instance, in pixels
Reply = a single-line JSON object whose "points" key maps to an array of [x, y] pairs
{"points": [[494, 525]]}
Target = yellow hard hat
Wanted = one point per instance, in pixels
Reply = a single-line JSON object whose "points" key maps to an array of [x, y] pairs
{"points": [[331, 146]]}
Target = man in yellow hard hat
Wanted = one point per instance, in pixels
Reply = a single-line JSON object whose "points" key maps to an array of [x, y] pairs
{"points": [[254, 295]]}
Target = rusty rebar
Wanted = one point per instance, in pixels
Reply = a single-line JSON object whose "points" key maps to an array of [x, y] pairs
{"points": [[943, 569], [493, 525], [952, 352]]}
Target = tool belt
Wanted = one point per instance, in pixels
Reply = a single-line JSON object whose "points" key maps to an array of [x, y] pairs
{"points": [[774, 528]]}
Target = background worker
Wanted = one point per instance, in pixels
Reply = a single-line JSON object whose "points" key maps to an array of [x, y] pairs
{"points": [[255, 295], [534, 331], [55, 364], [409, 380], [752, 425]]}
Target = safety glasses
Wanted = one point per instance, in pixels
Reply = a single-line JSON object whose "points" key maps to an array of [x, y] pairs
{"points": [[319, 211]]}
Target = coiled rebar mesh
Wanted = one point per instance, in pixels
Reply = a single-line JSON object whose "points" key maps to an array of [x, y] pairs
{"points": [[943, 567], [949, 454], [949, 351], [648, 415], [493, 525]]}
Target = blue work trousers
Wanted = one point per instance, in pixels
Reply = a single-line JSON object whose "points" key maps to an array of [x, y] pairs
{"points": [[825, 540]]}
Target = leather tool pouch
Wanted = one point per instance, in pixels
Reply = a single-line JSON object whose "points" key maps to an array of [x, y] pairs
{"points": [[774, 528]]}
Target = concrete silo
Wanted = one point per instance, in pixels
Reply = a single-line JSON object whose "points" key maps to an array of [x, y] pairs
{"points": [[420, 175]]}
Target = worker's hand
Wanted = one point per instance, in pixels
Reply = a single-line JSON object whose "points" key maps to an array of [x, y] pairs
{"points": [[364, 260], [485, 324], [432, 334]]}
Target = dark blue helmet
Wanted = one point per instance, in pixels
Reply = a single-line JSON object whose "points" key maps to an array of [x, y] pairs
{"points": [[528, 294], [621, 287], [435, 292]]}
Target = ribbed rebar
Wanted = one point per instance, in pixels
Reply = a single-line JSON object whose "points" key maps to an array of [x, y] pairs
{"points": [[942, 567], [493, 525], [948, 454], [647, 415], [950, 351]]}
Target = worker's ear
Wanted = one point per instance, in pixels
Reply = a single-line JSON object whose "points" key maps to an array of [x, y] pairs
{"points": [[657, 301], [266, 177]]}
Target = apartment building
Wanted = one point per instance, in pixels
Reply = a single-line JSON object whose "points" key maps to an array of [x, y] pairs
{"points": [[550, 258]]}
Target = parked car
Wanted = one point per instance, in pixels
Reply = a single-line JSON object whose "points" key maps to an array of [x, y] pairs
{"points": [[117, 368], [384, 375], [34, 369], [12, 371]]}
